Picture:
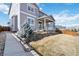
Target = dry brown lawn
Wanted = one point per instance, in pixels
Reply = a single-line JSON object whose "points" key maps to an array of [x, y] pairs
{"points": [[57, 45], [70, 32]]}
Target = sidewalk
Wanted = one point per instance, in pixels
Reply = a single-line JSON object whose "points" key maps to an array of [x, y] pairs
{"points": [[13, 47]]}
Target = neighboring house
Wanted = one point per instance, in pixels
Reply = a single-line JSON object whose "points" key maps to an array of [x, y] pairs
{"points": [[31, 14]]}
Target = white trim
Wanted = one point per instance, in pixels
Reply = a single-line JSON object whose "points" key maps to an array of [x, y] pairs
{"points": [[28, 17], [18, 16], [15, 37], [28, 14], [34, 53], [32, 24]]}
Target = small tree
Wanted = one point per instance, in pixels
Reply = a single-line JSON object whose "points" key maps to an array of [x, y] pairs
{"points": [[26, 32]]}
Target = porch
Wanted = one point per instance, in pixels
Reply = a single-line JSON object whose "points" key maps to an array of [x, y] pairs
{"points": [[46, 23]]}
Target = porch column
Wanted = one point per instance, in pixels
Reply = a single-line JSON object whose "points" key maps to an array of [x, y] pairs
{"points": [[45, 26], [36, 25]]}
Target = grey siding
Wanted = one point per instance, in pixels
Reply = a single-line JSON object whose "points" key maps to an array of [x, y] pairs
{"points": [[24, 8], [23, 17]]}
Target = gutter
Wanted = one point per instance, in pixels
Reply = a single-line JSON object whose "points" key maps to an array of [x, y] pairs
{"points": [[10, 8]]}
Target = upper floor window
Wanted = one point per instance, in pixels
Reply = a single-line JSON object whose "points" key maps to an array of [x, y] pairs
{"points": [[30, 9]]}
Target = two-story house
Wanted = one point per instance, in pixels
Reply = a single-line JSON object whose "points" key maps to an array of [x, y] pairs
{"points": [[31, 14]]}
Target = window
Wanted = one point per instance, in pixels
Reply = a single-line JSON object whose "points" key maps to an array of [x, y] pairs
{"points": [[30, 9], [30, 21]]}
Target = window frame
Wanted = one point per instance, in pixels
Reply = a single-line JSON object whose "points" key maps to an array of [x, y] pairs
{"points": [[32, 21], [31, 9]]}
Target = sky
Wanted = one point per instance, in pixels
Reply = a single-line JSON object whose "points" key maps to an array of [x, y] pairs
{"points": [[66, 14], [4, 18]]}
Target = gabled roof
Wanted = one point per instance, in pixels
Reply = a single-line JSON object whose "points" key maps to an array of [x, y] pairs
{"points": [[42, 12], [35, 5], [46, 16], [52, 17], [42, 17]]}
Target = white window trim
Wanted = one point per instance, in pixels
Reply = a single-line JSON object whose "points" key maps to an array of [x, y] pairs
{"points": [[30, 18], [32, 24], [27, 20], [30, 8]]}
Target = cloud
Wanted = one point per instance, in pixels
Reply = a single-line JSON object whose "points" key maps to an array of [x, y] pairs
{"points": [[64, 18], [41, 9], [4, 8]]}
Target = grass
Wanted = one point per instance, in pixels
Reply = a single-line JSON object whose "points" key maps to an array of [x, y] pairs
{"points": [[66, 44], [70, 33]]}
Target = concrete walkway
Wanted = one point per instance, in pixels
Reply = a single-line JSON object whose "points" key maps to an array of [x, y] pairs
{"points": [[13, 47]]}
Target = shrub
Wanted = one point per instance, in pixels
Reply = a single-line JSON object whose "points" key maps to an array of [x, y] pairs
{"points": [[26, 32], [57, 30], [3, 28]]}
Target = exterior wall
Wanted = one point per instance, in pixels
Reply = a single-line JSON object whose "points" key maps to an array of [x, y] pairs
{"points": [[14, 11], [25, 18], [24, 8], [26, 14], [23, 14]]}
